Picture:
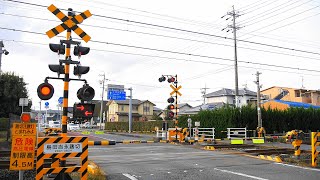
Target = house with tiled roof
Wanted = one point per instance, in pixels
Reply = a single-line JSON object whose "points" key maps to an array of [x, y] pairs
{"points": [[227, 96]]}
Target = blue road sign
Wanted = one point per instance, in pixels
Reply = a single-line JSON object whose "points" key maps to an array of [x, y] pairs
{"points": [[60, 100], [46, 103], [117, 95]]}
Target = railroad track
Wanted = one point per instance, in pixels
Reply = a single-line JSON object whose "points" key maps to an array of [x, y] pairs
{"points": [[230, 146], [269, 151]]}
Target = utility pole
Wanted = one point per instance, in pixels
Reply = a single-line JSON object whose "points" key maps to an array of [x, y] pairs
{"points": [[204, 92], [234, 28], [102, 94], [2, 51], [259, 128], [130, 110]]}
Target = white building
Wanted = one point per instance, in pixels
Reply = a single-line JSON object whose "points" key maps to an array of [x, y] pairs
{"points": [[227, 96]]}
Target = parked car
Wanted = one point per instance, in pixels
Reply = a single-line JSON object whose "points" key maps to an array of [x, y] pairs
{"points": [[73, 127], [86, 125], [54, 124]]}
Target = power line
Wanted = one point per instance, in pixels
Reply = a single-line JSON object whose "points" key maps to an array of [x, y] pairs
{"points": [[279, 7], [182, 30], [285, 19], [195, 61], [166, 36], [178, 59], [264, 5]]}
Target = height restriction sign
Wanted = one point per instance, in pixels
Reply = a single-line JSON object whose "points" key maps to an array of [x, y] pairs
{"points": [[23, 146]]}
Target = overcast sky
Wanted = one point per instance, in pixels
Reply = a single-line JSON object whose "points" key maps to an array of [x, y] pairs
{"points": [[272, 33]]}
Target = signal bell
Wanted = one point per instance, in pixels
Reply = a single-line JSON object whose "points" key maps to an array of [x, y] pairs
{"points": [[45, 91], [86, 93]]}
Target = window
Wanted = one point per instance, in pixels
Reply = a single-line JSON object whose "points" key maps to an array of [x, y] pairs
{"points": [[297, 93], [122, 108], [135, 108], [146, 109]]}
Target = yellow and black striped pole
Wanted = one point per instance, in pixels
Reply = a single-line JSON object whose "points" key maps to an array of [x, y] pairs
{"points": [[66, 91], [176, 106], [314, 143]]}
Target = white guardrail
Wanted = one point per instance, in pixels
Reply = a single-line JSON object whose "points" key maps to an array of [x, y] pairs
{"points": [[161, 133], [208, 133], [237, 133]]}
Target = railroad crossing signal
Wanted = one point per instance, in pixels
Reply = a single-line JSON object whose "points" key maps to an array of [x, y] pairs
{"points": [[45, 91], [175, 90], [83, 110], [68, 22]]}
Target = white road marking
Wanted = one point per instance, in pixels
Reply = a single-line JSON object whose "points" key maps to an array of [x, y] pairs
{"points": [[130, 177], [151, 174], [169, 172], [200, 170], [185, 171], [305, 168], [241, 174]]}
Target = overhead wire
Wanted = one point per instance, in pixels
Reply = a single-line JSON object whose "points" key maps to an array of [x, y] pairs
{"points": [[184, 30], [263, 15], [273, 23], [181, 53]]}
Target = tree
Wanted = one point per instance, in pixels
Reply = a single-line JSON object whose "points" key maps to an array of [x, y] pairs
{"points": [[12, 88]]}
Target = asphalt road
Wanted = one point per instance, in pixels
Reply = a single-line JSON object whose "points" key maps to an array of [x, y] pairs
{"points": [[167, 161]]}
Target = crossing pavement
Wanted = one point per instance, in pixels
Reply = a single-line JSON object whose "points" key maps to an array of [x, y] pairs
{"points": [[167, 161]]}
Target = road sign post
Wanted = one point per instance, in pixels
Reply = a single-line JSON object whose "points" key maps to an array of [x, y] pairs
{"points": [[23, 102]]}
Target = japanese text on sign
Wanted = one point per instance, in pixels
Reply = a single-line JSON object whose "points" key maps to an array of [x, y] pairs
{"points": [[28, 129], [22, 152], [62, 148]]}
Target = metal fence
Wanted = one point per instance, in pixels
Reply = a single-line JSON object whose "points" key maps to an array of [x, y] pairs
{"points": [[237, 133], [207, 133]]}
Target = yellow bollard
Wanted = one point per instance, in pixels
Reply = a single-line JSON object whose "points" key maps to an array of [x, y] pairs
{"points": [[296, 144]]}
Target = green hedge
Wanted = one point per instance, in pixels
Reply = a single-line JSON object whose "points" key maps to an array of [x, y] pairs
{"points": [[136, 126], [272, 120], [228, 117]]}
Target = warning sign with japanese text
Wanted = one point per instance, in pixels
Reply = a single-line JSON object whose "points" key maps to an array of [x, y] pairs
{"points": [[23, 146], [28, 129]]}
